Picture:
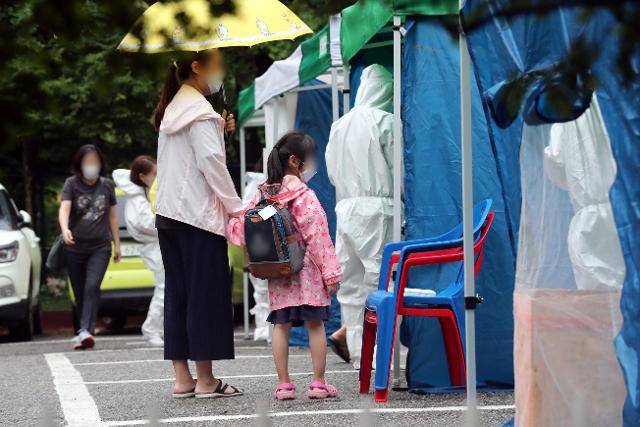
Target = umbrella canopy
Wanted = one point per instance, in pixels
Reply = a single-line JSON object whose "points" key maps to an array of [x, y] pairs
{"points": [[190, 25]]}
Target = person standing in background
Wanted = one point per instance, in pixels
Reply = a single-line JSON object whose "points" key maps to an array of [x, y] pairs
{"points": [[141, 225], [359, 159], [88, 221]]}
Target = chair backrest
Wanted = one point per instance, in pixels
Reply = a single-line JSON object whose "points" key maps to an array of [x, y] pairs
{"points": [[454, 254]]}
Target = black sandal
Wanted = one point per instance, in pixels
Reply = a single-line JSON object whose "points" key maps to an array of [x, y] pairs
{"points": [[340, 349], [220, 391]]}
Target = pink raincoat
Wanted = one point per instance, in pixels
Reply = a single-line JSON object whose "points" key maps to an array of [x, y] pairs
{"points": [[321, 266]]}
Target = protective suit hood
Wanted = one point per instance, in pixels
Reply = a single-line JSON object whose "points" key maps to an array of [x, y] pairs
{"points": [[376, 89], [186, 107], [121, 178]]}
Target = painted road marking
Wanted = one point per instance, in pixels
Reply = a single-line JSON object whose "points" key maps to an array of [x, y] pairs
{"points": [[226, 377], [78, 406], [125, 362], [317, 412]]}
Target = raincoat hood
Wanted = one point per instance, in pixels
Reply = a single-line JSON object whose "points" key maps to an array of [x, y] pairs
{"points": [[290, 188], [376, 88], [186, 107], [121, 178]]}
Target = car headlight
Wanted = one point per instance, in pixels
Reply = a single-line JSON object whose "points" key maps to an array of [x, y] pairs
{"points": [[7, 291], [9, 253]]}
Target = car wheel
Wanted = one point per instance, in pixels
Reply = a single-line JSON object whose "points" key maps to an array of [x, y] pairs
{"points": [[23, 331], [37, 319], [115, 323]]}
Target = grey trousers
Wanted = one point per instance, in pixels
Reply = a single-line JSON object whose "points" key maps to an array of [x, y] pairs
{"points": [[86, 271]]}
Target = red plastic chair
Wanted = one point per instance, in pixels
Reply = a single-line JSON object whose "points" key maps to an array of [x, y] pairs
{"points": [[383, 308]]}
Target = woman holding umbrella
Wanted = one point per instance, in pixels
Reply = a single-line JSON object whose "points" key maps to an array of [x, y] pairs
{"points": [[194, 199], [195, 194]]}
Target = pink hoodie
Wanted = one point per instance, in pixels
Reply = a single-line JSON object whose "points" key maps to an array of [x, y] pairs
{"points": [[321, 266], [194, 185]]}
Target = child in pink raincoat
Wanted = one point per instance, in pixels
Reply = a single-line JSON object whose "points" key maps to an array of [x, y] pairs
{"points": [[305, 297]]}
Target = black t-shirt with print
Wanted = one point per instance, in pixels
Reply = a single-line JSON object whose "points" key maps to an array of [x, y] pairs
{"points": [[89, 218]]}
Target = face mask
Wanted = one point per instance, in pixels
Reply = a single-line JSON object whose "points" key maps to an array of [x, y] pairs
{"points": [[91, 171], [214, 81], [309, 173]]}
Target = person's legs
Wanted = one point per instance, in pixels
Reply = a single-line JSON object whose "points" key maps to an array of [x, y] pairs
{"points": [[77, 270], [96, 267], [280, 348], [176, 346], [209, 311], [318, 347], [153, 326], [184, 380]]}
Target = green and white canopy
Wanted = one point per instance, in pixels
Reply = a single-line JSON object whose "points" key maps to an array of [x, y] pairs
{"points": [[334, 45]]}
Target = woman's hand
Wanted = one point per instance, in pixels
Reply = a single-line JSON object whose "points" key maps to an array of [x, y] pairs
{"points": [[229, 122], [333, 288], [67, 236], [116, 253]]}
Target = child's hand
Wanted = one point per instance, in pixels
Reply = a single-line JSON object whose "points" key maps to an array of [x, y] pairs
{"points": [[333, 288]]}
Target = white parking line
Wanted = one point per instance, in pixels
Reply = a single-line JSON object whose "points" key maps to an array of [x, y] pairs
{"points": [[226, 377], [78, 406], [125, 362], [317, 412]]}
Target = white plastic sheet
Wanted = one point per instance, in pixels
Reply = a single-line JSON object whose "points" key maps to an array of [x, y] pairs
{"points": [[569, 274]]}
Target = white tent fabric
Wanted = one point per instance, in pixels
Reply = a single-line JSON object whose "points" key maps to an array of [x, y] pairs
{"points": [[568, 278], [279, 78]]}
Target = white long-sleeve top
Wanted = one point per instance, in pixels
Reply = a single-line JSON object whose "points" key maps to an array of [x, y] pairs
{"points": [[194, 185]]}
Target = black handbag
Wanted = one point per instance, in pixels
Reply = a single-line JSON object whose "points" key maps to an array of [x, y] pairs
{"points": [[56, 260]]}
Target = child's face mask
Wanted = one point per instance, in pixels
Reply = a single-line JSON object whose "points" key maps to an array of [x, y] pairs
{"points": [[308, 171]]}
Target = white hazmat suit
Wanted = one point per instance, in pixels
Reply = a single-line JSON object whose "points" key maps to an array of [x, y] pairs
{"points": [[140, 222], [579, 160], [359, 159]]}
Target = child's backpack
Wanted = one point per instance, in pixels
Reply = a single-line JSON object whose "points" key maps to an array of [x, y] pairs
{"points": [[273, 248]]}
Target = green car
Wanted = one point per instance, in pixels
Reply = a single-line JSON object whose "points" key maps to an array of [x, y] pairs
{"points": [[127, 286]]}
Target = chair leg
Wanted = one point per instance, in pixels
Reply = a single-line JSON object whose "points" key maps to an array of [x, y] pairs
{"points": [[386, 334], [453, 346], [368, 344]]}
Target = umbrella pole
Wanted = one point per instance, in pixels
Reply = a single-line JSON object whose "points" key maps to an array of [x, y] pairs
{"points": [[245, 276], [467, 220], [397, 167]]}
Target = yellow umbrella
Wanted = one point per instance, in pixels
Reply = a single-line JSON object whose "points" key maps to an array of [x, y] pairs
{"points": [[161, 27]]}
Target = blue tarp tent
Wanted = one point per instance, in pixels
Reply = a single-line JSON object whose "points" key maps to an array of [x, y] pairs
{"points": [[505, 51], [433, 205], [314, 116]]}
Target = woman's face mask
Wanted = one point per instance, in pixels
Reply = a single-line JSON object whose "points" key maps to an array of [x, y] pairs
{"points": [[91, 171], [214, 81]]}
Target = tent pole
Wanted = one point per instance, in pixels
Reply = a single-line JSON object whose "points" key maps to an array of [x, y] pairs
{"points": [[397, 167], [335, 103], [245, 277], [467, 220], [346, 88]]}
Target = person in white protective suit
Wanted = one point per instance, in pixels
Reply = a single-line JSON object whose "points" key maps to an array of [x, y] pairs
{"points": [[140, 222], [359, 159], [260, 286], [579, 160]]}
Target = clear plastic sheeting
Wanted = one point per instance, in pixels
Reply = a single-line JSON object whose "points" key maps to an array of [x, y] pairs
{"points": [[569, 275]]}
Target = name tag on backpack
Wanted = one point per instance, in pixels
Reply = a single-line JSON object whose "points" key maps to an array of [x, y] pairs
{"points": [[267, 212]]}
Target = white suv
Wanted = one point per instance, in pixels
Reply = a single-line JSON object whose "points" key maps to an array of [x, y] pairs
{"points": [[20, 262]]}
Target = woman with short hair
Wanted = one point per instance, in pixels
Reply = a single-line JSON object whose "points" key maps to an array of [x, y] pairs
{"points": [[89, 223]]}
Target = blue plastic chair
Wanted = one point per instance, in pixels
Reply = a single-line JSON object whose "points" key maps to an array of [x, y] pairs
{"points": [[382, 307]]}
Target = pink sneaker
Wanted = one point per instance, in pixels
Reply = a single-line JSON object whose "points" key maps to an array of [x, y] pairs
{"points": [[285, 391], [318, 390]]}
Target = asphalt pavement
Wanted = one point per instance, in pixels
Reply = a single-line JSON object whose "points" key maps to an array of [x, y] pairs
{"points": [[124, 383]]}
